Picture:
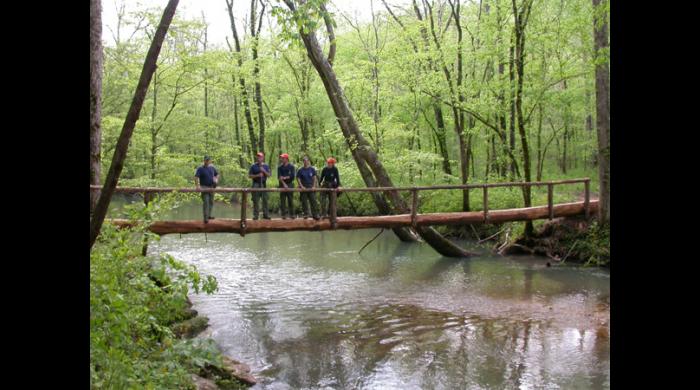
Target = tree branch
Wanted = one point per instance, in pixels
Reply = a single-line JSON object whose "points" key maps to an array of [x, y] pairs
{"points": [[262, 12], [331, 34], [464, 109], [545, 89]]}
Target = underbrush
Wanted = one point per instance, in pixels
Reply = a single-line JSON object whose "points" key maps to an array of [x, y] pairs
{"points": [[134, 301]]}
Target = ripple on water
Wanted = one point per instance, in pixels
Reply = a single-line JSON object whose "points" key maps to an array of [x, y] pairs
{"points": [[307, 315]]}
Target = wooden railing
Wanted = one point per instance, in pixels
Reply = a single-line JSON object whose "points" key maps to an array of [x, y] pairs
{"points": [[149, 191]]}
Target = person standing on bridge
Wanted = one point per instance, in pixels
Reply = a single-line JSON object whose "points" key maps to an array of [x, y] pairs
{"points": [[307, 178], [259, 172], [285, 175], [330, 178], [206, 176]]}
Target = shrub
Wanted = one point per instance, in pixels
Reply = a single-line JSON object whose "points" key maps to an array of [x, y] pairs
{"points": [[132, 299]]}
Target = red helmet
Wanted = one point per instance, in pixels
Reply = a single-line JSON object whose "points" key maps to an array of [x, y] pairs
{"points": [[331, 160], [284, 155], [261, 154]]}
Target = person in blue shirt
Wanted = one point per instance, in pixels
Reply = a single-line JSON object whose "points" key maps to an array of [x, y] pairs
{"points": [[330, 178], [259, 172], [285, 175], [307, 178], [205, 177]]}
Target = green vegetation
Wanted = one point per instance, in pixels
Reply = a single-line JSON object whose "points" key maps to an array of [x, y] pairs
{"points": [[136, 305], [195, 105], [436, 87], [568, 240], [443, 92], [595, 246]]}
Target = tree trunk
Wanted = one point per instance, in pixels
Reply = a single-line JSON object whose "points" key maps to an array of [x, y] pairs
{"points": [[154, 135], [456, 97], [540, 154], [361, 150], [241, 81], [440, 125], [440, 132], [602, 89], [511, 75], [256, 74], [95, 97], [566, 136], [521, 17], [206, 71], [236, 125], [115, 169]]}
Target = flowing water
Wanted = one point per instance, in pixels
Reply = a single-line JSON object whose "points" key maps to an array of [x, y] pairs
{"points": [[305, 310]]}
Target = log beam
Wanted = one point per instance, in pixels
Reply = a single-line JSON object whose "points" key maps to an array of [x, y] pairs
{"points": [[372, 222]]}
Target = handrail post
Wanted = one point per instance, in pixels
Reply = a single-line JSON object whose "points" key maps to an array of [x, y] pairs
{"points": [[550, 200], [414, 207], [334, 209], [486, 204], [586, 201], [244, 201]]}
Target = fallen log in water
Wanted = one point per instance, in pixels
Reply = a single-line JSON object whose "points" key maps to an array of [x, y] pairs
{"points": [[371, 222]]}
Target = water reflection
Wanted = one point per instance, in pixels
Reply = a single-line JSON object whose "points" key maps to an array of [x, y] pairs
{"points": [[391, 346], [305, 310]]}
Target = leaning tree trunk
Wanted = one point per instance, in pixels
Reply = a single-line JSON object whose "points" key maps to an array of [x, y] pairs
{"points": [[359, 145], [383, 206], [95, 96], [115, 169], [602, 91]]}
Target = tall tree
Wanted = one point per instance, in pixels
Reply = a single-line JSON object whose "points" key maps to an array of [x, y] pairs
{"points": [[602, 91], [241, 81], [95, 96], [206, 70], [373, 49], [301, 71], [362, 151], [456, 94], [439, 128], [115, 169], [522, 15], [255, 32]]}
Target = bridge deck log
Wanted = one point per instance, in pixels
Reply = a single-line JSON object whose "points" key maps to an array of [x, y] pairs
{"points": [[370, 222]]}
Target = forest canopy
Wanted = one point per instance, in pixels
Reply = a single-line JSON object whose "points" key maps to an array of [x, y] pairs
{"points": [[444, 91]]}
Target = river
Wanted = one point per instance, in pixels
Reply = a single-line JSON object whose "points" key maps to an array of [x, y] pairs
{"points": [[305, 310]]}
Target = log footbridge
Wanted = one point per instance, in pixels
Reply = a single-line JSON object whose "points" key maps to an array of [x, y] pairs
{"points": [[411, 218]]}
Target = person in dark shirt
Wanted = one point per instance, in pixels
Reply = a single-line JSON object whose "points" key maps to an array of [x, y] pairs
{"points": [[285, 175], [330, 178], [205, 177], [259, 172], [307, 178]]}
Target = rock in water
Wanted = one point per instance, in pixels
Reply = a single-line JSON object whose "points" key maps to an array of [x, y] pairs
{"points": [[232, 369], [239, 370], [190, 328], [203, 383]]}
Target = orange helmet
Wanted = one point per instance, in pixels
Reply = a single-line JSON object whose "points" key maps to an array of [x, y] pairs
{"points": [[331, 160], [284, 155]]}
